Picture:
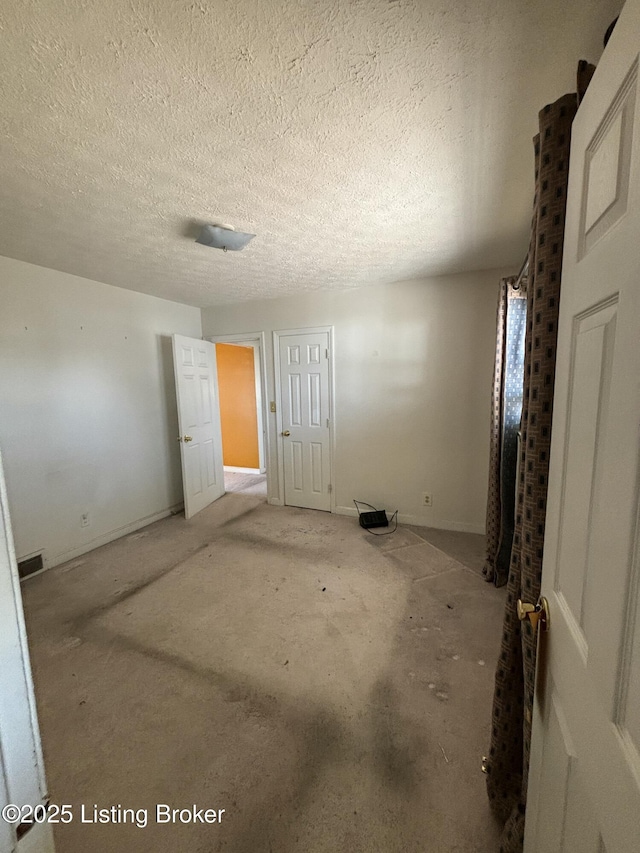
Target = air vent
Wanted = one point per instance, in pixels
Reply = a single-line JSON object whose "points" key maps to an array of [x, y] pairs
{"points": [[30, 565]]}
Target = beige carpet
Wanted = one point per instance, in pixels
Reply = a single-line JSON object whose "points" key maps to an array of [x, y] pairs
{"points": [[329, 690], [467, 548], [236, 482]]}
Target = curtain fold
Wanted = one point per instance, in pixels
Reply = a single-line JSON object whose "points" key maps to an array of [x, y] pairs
{"points": [[505, 424], [508, 761]]}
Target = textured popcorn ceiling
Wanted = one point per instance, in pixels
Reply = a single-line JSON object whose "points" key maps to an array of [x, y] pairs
{"points": [[363, 141]]}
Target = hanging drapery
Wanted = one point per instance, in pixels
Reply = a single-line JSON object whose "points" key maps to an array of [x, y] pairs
{"points": [[505, 425], [508, 761]]}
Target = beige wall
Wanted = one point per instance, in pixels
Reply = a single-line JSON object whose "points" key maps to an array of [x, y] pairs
{"points": [[88, 416], [87, 422], [413, 366]]}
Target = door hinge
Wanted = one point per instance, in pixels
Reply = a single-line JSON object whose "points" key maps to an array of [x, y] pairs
{"points": [[327, 422], [329, 488], [326, 353]]}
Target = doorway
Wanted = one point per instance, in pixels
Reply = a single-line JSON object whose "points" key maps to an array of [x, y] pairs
{"points": [[240, 366]]}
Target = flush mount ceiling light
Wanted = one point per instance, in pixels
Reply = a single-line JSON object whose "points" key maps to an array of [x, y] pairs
{"points": [[223, 237]]}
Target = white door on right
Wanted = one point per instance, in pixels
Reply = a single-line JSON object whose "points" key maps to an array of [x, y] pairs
{"points": [[584, 781], [305, 424]]}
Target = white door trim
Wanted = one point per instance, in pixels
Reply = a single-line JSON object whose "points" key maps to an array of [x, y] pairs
{"points": [[312, 330], [258, 342]]}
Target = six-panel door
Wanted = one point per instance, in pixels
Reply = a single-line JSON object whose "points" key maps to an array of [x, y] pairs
{"points": [[304, 384], [584, 781]]}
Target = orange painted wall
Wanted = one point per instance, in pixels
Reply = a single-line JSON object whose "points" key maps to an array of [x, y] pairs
{"points": [[238, 413]]}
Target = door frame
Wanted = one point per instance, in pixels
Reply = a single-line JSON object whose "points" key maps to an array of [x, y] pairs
{"points": [[257, 341], [311, 330]]}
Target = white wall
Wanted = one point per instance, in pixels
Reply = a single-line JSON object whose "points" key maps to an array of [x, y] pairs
{"points": [[88, 414], [413, 367]]}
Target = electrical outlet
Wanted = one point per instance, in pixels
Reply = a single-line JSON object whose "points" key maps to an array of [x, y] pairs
{"points": [[427, 500], [84, 519]]}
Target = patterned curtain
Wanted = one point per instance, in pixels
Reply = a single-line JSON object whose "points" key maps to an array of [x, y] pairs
{"points": [[505, 425], [508, 762]]}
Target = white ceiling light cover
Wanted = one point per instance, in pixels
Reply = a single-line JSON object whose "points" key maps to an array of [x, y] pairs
{"points": [[219, 237]]}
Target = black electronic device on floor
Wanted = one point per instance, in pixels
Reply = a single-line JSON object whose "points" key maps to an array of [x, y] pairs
{"points": [[377, 518]]}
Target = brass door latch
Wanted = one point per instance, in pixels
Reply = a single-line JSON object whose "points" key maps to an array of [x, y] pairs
{"points": [[534, 613]]}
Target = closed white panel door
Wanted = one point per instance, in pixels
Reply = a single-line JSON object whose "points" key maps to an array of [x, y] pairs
{"points": [[584, 782], [198, 422], [305, 434]]}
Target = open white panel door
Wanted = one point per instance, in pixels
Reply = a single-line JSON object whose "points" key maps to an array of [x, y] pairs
{"points": [[198, 422], [22, 780], [584, 781]]}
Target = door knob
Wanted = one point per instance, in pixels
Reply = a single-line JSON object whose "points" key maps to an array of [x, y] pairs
{"points": [[185, 438], [534, 612], [286, 432]]}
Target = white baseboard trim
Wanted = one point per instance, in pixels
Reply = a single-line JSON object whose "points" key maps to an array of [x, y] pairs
{"points": [[404, 518], [275, 502], [105, 538], [346, 510], [457, 527], [233, 469]]}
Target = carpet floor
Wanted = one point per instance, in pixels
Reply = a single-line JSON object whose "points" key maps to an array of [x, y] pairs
{"points": [[246, 484], [329, 690]]}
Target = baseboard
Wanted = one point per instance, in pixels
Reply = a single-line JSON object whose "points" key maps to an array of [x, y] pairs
{"points": [[105, 538], [346, 510], [275, 502], [233, 469], [417, 521], [455, 526]]}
